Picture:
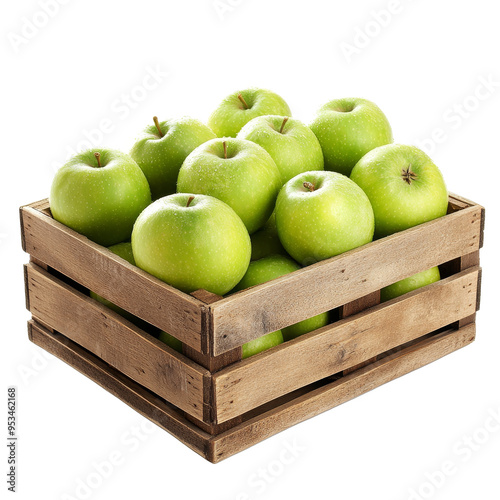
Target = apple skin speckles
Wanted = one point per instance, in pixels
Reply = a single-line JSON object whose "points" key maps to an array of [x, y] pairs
{"points": [[294, 150], [247, 180], [231, 115], [100, 203], [347, 129], [397, 204], [203, 246], [333, 218], [161, 158]]}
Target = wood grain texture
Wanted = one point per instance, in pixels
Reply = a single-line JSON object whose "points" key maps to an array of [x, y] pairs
{"points": [[134, 395], [207, 358], [260, 426], [459, 202], [213, 364], [466, 262], [116, 341], [339, 346], [329, 284], [349, 387], [105, 273], [355, 307]]}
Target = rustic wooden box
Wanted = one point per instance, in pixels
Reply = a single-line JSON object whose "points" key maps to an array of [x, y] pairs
{"points": [[208, 397]]}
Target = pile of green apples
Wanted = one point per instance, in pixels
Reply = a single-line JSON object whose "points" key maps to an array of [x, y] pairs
{"points": [[251, 196]]}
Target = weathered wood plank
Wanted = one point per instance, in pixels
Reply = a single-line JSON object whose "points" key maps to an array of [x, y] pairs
{"points": [[118, 342], [213, 364], [261, 427], [355, 307], [98, 269], [326, 285], [134, 395], [344, 344], [207, 359]]}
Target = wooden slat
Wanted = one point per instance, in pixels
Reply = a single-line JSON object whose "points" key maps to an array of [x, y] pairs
{"points": [[134, 395], [466, 262], [208, 360], [349, 387], [326, 285], [212, 363], [98, 269], [263, 425], [459, 202], [118, 342], [344, 344], [355, 307]]}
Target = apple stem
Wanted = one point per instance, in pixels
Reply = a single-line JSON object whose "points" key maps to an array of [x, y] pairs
{"points": [[155, 119], [245, 105], [98, 158], [225, 149], [283, 124], [309, 186], [190, 199]]}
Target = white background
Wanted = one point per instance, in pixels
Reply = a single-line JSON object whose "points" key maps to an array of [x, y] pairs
{"points": [[60, 80]]}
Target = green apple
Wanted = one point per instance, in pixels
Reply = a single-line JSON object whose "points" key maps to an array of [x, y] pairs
{"points": [[404, 186], [409, 284], [192, 242], [347, 129], [170, 340], [261, 344], [322, 214], [100, 193], [269, 268], [238, 172], [240, 107], [265, 240], [162, 148], [291, 144]]}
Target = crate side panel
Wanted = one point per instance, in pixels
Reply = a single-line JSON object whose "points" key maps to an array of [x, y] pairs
{"points": [[135, 396], [336, 393], [115, 340], [344, 344], [98, 269], [332, 283]]}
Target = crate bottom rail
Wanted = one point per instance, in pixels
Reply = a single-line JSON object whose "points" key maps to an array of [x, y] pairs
{"points": [[271, 418]]}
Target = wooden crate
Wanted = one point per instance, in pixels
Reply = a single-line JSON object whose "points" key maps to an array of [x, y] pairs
{"points": [[208, 397]]}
